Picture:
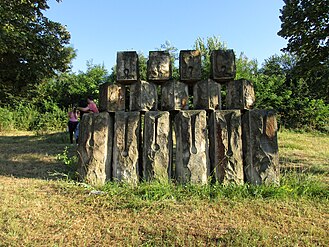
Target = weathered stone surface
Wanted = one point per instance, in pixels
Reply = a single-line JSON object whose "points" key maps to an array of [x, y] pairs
{"points": [[174, 96], [207, 95], [95, 148], [190, 66], [127, 67], [240, 95], [159, 67], [260, 147], [143, 96], [126, 146], [192, 158], [111, 97], [157, 146], [223, 66], [225, 139]]}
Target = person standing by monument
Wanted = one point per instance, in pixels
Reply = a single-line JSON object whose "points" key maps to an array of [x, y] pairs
{"points": [[91, 107], [73, 122]]}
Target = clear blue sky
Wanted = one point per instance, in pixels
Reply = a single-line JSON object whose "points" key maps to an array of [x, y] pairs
{"points": [[100, 28]]}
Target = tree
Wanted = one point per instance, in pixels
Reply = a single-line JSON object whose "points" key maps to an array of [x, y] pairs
{"points": [[32, 47], [305, 23]]}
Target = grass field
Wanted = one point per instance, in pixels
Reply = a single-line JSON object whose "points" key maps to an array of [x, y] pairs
{"points": [[41, 206]]}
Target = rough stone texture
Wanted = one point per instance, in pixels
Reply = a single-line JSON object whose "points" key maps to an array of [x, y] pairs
{"points": [[192, 158], [260, 147], [95, 148], [240, 95], [159, 67], [157, 146], [127, 67], [225, 139], [111, 97], [207, 95], [223, 66], [143, 96], [190, 66], [174, 96], [126, 146]]}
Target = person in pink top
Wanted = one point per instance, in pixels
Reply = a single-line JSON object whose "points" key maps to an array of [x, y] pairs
{"points": [[91, 107], [73, 122]]}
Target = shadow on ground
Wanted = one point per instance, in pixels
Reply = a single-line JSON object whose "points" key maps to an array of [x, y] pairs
{"points": [[34, 156]]}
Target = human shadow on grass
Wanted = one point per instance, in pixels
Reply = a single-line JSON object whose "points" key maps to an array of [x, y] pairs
{"points": [[34, 156]]}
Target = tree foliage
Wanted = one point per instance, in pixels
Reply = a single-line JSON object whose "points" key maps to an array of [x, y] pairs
{"points": [[305, 23], [32, 47]]}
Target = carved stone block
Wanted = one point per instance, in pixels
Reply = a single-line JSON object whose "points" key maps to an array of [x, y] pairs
{"points": [[127, 67], [95, 148], [192, 158], [240, 95], [143, 96], [223, 66], [174, 96], [260, 147], [111, 97], [207, 95], [159, 67], [157, 146], [126, 147], [225, 139], [190, 66]]}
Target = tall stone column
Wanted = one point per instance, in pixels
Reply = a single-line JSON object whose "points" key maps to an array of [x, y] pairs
{"points": [[260, 147], [143, 96], [126, 147], [95, 148], [157, 149], [225, 138], [192, 158], [111, 97], [207, 95]]}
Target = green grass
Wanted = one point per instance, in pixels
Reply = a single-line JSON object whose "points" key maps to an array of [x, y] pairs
{"points": [[40, 209]]}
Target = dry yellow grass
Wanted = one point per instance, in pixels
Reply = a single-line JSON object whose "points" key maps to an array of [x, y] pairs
{"points": [[36, 211]]}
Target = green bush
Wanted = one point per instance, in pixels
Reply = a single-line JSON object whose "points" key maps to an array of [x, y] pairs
{"points": [[6, 119]]}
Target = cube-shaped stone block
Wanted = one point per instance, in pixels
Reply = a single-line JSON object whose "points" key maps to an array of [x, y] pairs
{"points": [[126, 147], [190, 66], [174, 96], [192, 157], [111, 97], [157, 150], [159, 67], [240, 94], [95, 148], [127, 67], [225, 139], [207, 95], [260, 147], [223, 66], [143, 96]]}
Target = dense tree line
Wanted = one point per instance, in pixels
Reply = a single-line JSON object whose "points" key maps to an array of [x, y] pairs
{"points": [[35, 59]]}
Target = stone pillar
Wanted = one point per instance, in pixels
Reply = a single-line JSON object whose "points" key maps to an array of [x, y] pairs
{"points": [[223, 66], [126, 147], [159, 67], [192, 158], [95, 148], [127, 67], [157, 146], [260, 147], [112, 97], [225, 139], [174, 96], [143, 96], [240, 95], [190, 66], [207, 95]]}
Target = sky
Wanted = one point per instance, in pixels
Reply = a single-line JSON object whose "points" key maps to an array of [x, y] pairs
{"points": [[101, 28]]}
